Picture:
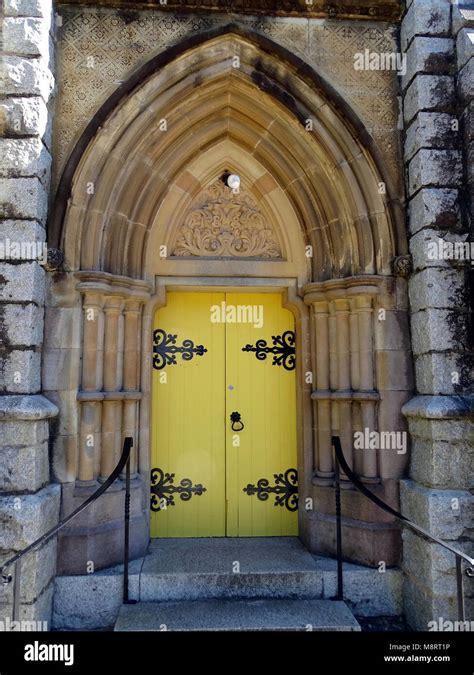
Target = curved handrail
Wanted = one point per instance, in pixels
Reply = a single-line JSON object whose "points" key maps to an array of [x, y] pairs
{"points": [[127, 447], [336, 442]]}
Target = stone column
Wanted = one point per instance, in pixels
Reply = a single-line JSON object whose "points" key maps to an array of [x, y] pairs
{"points": [[89, 442], [325, 468], [108, 396], [92, 379], [93, 341], [322, 326], [363, 307], [131, 375], [435, 37], [113, 344], [355, 348], [113, 377], [343, 396], [28, 505], [333, 368], [346, 386]]}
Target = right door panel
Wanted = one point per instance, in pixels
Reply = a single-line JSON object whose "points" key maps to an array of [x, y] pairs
{"points": [[261, 459]]}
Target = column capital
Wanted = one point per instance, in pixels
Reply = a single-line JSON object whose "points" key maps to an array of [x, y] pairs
{"points": [[132, 306], [113, 304], [312, 296], [363, 303], [93, 299], [342, 305], [321, 307]]}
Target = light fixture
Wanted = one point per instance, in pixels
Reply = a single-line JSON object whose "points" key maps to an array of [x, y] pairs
{"points": [[233, 181]]}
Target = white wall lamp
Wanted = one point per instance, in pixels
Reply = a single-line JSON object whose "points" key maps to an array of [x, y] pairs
{"points": [[233, 181]]}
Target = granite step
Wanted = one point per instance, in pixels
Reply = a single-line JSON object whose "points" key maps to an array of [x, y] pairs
{"points": [[259, 567], [237, 615], [248, 568], [202, 569]]}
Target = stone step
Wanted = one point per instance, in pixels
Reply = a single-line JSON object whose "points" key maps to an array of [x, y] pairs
{"points": [[296, 585], [253, 567], [237, 615], [180, 569], [211, 569]]}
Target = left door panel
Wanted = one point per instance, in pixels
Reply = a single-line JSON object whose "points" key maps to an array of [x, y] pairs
{"points": [[188, 426]]}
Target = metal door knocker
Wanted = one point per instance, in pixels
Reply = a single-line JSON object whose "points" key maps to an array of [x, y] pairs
{"points": [[236, 419]]}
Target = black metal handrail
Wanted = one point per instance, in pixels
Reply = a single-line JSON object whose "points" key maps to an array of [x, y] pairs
{"points": [[16, 559], [460, 555]]}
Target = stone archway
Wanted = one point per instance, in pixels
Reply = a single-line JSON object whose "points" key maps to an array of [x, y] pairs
{"points": [[309, 174]]}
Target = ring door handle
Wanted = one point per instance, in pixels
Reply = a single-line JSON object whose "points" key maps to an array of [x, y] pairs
{"points": [[235, 418]]}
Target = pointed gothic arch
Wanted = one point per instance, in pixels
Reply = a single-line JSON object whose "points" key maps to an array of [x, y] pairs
{"points": [[304, 144], [311, 177]]}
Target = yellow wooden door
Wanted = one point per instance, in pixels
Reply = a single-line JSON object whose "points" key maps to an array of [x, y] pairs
{"points": [[260, 378], [216, 354], [188, 451]]}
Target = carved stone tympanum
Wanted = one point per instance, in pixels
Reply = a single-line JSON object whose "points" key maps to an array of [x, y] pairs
{"points": [[222, 223]]}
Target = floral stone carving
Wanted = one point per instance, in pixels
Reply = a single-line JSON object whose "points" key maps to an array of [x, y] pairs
{"points": [[226, 224]]}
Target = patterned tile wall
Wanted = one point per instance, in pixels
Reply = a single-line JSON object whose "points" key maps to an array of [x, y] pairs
{"points": [[98, 48]]}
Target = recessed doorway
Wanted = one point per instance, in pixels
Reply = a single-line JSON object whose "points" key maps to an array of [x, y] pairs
{"points": [[224, 441]]}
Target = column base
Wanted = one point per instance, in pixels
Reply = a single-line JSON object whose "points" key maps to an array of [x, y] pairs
{"points": [[116, 485], [345, 484], [370, 480], [81, 485], [323, 478]]}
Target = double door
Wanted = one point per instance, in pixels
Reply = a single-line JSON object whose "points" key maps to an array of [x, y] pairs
{"points": [[223, 417]]}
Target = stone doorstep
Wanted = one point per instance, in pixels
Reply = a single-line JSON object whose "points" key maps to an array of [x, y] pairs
{"points": [[274, 568], [237, 615], [90, 602]]}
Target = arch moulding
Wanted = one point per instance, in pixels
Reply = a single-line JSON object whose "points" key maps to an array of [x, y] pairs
{"points": [[142, 208]]}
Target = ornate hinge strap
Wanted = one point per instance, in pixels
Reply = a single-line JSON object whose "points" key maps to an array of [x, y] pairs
{"points": [[165, 349], [283, 350], [285, 489], [163, 490]]}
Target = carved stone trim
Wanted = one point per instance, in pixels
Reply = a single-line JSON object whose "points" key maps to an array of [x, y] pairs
{"points": [[322, 291], [225, 224], [54, 261], [105, 283], [402, 265], [326, 395], [342, 9]]}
